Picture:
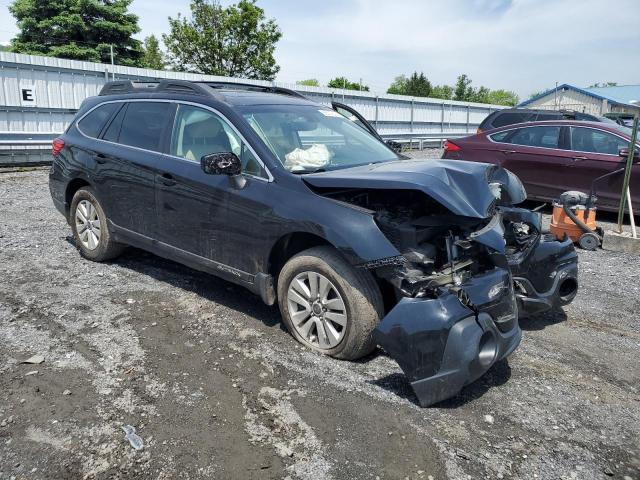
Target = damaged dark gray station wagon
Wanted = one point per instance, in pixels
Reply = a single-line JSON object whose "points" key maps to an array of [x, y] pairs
{"points": [[309, 208]]}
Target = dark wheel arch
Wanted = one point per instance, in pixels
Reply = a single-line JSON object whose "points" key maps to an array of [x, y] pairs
{"points": [[289, 245], [72, 187]]}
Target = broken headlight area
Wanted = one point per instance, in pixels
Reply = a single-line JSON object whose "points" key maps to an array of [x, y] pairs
{"points": [[437, 248]]}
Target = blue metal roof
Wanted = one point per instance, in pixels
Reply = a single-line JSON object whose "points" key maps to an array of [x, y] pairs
{"points": [[619, 95]]}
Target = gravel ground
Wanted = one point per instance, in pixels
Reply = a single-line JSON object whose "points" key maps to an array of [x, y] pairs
{"points": [[217, 389]]}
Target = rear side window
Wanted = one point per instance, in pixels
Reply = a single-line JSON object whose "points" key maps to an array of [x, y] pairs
{"points": [[509, 118], [92, 123], [547, 137], [143, 124], [596, 141], [501, 136]]}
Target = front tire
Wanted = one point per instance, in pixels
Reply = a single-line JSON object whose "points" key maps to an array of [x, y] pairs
{"points": [[91, 229], [328, 305]]}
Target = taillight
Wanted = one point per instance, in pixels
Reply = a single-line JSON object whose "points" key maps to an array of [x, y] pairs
{"points": [[58, 145], [449, 146]]}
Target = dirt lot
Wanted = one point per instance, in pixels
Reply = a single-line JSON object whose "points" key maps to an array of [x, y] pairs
{"points": [[217, 389]]}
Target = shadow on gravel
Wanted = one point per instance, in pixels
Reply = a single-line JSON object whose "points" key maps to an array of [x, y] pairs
{"points": [[207, 286], [497, 375], [543, 320]]}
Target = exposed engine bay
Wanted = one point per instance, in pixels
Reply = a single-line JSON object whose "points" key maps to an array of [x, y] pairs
{"points": [[468, 265], [437, 248]]}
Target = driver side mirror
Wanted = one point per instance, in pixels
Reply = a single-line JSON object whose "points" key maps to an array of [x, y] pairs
{"points": [[624, 153], [226, 163]]}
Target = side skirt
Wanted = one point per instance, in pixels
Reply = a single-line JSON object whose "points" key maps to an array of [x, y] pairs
{"points": [[261, 284]]}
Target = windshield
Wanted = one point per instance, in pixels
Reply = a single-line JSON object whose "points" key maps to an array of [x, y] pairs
{"points": [[308, 138]]}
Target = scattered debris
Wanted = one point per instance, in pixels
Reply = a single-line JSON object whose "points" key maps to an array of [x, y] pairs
{"points": [[36, 360], [67, 392], [32, 372], [489, 419], [130, 434]]}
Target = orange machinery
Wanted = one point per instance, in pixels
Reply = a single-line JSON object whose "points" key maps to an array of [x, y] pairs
{"points": [[574, 216]]}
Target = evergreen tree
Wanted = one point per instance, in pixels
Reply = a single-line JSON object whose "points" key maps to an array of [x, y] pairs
{"points": [[417, 85], [77, 29]]}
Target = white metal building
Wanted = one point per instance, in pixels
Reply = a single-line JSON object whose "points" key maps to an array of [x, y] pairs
{"points": [[40, 95], [593, 100]]}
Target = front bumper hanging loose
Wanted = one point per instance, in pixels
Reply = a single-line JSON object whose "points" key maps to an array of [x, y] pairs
{"points": [[442, 345]]}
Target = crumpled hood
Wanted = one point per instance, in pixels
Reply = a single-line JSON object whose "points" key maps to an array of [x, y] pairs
{"points": [[460, 186]]}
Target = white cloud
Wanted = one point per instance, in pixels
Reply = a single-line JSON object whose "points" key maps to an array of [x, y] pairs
{"points": [[522, 45]]}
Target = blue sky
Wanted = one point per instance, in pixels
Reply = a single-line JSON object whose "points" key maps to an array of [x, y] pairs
{"points": [[520, 45]]}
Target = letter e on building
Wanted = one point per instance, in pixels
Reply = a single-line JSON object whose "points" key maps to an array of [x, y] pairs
{"points": [[27, 95]]}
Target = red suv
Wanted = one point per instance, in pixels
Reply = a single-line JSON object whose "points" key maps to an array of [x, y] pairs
{"points": [[556, 156]]}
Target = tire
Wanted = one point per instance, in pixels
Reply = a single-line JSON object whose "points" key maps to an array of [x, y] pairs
{"points": [[355, 288], [97, 244]]}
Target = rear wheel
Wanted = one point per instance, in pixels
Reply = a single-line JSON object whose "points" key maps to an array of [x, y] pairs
{"points": [[90, 228], [328, 305]]}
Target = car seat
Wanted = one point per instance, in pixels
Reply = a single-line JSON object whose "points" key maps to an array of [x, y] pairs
{"points": [[203, 138]]}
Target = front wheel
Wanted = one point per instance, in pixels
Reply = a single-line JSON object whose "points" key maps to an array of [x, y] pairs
{"points": [[328, 305]]}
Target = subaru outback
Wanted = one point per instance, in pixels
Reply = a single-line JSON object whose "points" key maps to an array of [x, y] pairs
{"points": [[307, 207]]}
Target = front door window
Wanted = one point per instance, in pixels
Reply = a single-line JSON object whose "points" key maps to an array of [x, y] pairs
{"points": [[596, 141]]}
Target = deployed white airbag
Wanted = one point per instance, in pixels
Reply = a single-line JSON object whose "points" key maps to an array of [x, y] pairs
{"points": [[314, 157]]}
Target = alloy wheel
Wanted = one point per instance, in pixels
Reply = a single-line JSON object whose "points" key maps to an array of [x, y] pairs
{"points": [[88, 224], [317, 310]]}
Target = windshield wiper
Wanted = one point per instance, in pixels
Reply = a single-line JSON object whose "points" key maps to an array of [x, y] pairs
{"points": [[304, 172]]}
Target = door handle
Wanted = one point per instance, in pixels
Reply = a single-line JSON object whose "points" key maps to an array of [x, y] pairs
{"points": [[167, 179], [577, 159], [508, 151], [100, 158]]}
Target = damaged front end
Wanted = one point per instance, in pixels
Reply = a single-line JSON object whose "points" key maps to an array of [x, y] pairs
{"points": [[451, 300]]}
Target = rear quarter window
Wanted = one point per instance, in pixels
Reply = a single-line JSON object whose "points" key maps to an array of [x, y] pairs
{"points": [[509, 118], [501, 136], [93, 122]]}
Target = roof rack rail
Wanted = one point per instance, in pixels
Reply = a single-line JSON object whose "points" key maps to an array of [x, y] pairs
{"points": [[129, 86], [251, 87]]}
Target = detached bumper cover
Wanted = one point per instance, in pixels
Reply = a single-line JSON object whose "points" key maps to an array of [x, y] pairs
{"points": [[547, 277], [442, 345]]}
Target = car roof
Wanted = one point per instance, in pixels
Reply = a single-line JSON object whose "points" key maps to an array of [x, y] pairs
{"points": [[231, 93], [242, 98], [611, 127]]}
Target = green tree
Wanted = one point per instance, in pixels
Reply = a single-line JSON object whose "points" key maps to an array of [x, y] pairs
{"points": [[417, 85], [480, 95], [503, 97], [399, 86], [234, 41], [77, 29], [309, 82], [343, 82], [152, 56], [444, 92], [463, 91]]}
